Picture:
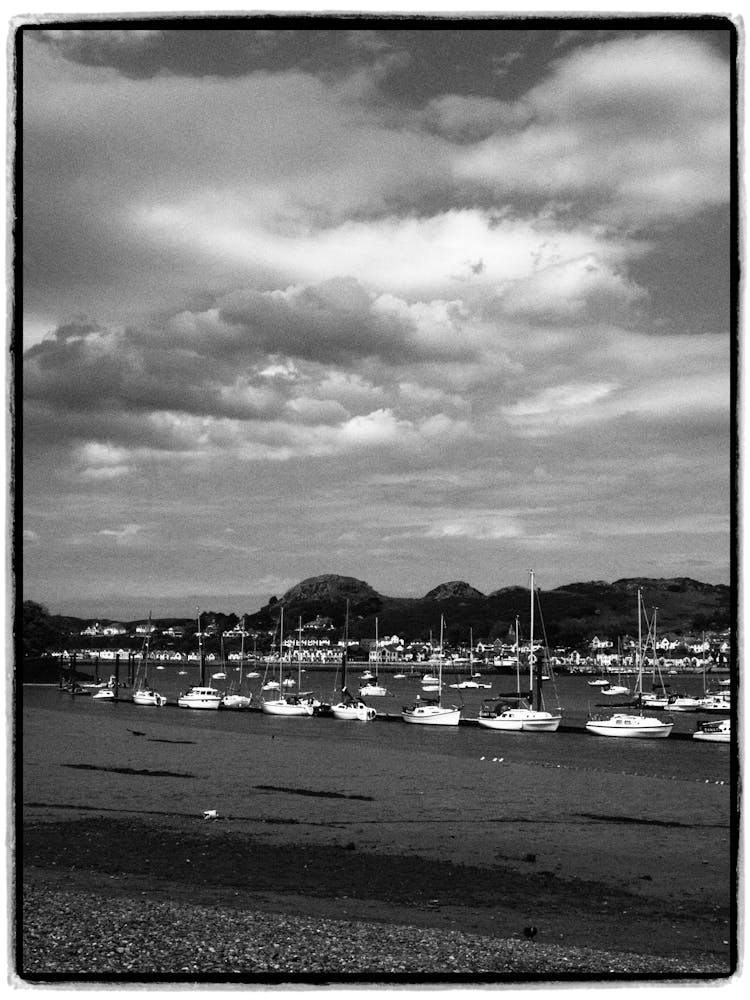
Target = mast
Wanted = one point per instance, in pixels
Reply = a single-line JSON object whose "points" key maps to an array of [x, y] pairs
{"points": [[281, 649], [345, 654], [242, 653], [440, 664], [299, 654], [200, 649], [147, 651], [639, 681], [377, 652], [471, 652], [531, 641]]}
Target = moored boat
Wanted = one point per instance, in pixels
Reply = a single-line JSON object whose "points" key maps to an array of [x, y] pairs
{"points": [[290, 705], [621, 724], [633, 725], [714, 732], [143, 693], [431, 711], [531, 717], [200, 697]]}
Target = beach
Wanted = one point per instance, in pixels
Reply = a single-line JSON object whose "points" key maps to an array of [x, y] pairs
{"points": [[365, 851]]}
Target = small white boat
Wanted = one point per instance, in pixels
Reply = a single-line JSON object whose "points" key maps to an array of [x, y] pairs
{"points": [[104, 694], [220, 676], [430, 688], [521, 719], [368, 675], [430, 679], [615, 690], [289, 682], [237, 701], [200, 697], [271, 686], [289, 705], [683, 704], [352, 710], [720, 703], [399, 677], [633, 726], [598, 683], [432, 712], [373, 690], [145, 696], [714, 732]]}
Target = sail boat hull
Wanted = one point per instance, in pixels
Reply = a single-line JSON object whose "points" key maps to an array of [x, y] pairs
{"points": [[630, 727], [522, 720], [287, 707], [431, 715]]}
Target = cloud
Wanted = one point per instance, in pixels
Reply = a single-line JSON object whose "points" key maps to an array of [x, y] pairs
{"points": [[633, 128]]}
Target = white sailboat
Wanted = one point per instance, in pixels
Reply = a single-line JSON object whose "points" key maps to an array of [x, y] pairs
{"points": [[290, 705], [532, 717], [350, 709], [372, 688], [200, 696], [470, 682], [432, 712], [627, 725], [143, 693], [234, 699]]}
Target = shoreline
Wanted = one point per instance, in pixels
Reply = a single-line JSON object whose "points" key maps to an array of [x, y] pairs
{"points": [[94, 870]]}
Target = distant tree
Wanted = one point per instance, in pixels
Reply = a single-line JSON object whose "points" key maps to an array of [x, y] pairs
{"points": [[39, 630]]}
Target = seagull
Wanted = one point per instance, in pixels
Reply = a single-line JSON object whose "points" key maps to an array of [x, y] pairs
{"points": [[210, 814], [530, 933], [136, 732]]}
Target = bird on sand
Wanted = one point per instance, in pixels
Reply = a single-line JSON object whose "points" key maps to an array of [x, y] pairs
{"points": [[530, 933]]}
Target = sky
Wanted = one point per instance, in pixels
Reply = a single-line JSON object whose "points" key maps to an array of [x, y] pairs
{"points": [[405, 304]]}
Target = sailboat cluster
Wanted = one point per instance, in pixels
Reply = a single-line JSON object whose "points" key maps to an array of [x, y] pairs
{"points": [[526, 713]]}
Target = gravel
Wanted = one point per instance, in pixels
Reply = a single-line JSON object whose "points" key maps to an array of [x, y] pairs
{"points": [[75, 934]]}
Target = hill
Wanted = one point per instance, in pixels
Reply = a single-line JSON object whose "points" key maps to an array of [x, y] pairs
{"points": [[569, 614]]}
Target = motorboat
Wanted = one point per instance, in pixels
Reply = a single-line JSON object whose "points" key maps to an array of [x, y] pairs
{"points": [[372, 690], [200, 697], [682, 703], [634, 726], [147, 696], [715, 703], [615, 690], [714, 732], [352, 709], [103, 694], [598, 683]]}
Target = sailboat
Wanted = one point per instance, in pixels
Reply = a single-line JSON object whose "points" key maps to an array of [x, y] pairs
{"points": [[350, 709], [371, 688], [625, 725], [619, 689], [286, 704], [470, 682], [532, 717], [432, 712], [143, 694], [199, 695], [234, 699]]}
